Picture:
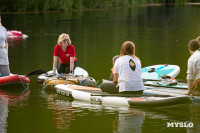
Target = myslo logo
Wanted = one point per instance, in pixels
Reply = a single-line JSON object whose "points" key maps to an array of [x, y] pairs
{"points": [[180, 124]]}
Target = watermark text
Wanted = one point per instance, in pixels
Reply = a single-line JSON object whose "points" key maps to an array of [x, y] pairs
{"points": [[180, 124]]}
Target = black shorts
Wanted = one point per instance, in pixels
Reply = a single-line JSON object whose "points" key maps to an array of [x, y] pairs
{"points": [[113, 89], [62, 68]]}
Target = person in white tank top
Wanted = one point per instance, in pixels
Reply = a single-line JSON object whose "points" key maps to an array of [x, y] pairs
{"points": [[4, 63]]}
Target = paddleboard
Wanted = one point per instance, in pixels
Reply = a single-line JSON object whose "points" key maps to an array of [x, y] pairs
{"points": [[75, 80], [170, 91], [155, 72], [77, 72], [167, 84], [95, 95], [161, 83]]}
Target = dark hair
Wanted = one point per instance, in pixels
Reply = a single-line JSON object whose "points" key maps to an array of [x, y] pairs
{"points": [[115, 58], [193, 45]]}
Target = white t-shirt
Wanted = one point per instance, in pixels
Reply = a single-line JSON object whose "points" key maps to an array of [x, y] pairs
{"points": [[128, 79], [193, 71], [3, 50]]}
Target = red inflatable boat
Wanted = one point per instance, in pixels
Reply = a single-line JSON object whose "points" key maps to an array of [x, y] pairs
{"points": [[16, 35], [14, 80]]}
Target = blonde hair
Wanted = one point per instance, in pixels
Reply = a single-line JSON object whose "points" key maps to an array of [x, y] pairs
{"points": [[63, 37], [198, 38]]}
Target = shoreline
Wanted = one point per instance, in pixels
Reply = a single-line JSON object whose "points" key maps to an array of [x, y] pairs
{"points": [[95, 9], [193, 3], [83, 10]]}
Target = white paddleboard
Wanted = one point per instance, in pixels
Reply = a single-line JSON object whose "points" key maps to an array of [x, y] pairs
{"points": [[77, 72]]}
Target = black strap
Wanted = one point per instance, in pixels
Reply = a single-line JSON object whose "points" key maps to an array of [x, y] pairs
{"points": [[152, 70]]}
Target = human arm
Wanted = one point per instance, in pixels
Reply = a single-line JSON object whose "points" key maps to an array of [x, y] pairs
{"points": [[189, 83], [115, 73], [190, 76], [6, 42], [115, 78], [55, 61], [71, 65]]}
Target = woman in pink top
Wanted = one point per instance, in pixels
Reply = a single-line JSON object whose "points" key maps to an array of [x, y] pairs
{"points": [[64, 60]]}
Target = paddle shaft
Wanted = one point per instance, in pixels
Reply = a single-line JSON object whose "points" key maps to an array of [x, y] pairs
{"points": [[36, 72]]}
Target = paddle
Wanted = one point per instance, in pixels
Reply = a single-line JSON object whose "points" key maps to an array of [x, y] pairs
{"points": [[36, 72], [129, 95]]}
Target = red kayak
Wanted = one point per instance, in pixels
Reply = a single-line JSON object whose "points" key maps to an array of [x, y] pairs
{"points": [[14, 80]]}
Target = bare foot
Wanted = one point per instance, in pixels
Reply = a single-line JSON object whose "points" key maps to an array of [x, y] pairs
{"points": [[187, 92]]}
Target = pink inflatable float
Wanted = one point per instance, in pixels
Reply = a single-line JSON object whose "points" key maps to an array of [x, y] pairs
{"points": [[14, 34]]}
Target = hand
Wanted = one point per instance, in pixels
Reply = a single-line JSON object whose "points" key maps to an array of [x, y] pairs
{"points": [[187, 93], [54, 71], [70, 73]]}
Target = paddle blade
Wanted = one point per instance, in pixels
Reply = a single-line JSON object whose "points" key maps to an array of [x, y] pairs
{"points": [[37, 72]]}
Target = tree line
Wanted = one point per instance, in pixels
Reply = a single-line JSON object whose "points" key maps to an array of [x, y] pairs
{"points": [[68, 5]]}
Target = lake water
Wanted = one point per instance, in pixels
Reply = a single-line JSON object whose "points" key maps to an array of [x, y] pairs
{"points": [[161, 35]]}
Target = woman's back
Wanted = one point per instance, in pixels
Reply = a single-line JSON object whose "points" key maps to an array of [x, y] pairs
{"points": [[129, 73]]}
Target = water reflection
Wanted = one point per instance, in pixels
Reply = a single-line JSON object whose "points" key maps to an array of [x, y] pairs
{"points": [[14, 43], [195, 109], [3, 114], [62, 112], [69, 114], [9, 97], [129, 121], [161, 35]]}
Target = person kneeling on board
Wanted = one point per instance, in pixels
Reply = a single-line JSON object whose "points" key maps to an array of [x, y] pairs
{"points": [[193, 71], [65, 52], [127, 73]]}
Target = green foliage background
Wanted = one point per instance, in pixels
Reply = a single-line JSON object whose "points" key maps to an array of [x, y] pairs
{"points": [[68, 5]]}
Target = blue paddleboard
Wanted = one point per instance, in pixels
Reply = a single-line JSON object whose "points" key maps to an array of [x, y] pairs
{"points": [[155, 72]]}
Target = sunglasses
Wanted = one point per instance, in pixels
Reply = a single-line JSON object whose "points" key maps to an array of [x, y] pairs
{"points": [[66, 40]]}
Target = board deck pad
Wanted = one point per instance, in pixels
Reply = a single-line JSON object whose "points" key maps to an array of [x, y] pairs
{"points": [[179, 85]]}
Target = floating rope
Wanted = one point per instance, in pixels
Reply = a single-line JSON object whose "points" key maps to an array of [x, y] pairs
{"points": [[44, 85], [26, 88]]}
